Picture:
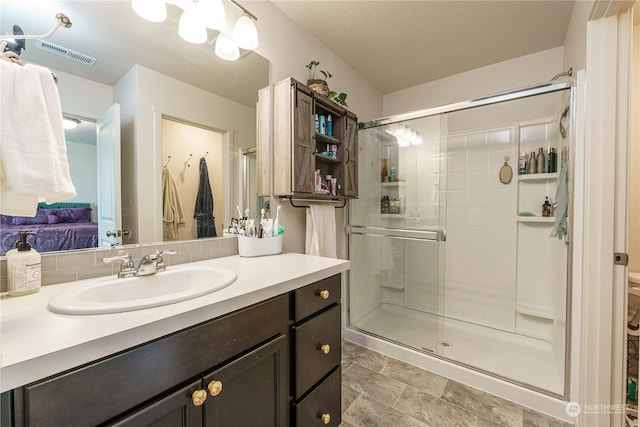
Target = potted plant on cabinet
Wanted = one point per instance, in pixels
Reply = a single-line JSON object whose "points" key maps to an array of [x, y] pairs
{"points": [[321, 86]]}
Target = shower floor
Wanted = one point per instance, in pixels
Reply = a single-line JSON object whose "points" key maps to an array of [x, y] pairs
{"points": [[519, 358]]}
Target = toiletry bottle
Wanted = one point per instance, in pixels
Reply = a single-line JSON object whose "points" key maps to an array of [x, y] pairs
{"points": [[533, 167], [540, 163], [317, 124], [323, 124], [385, 171], [23, 267], [546, 207], [392, 174], [522, 165], [553, 160], [329, 125]]}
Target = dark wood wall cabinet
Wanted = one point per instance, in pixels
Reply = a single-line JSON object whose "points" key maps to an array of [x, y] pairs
{"points": [[273, 364], [300, 149]]}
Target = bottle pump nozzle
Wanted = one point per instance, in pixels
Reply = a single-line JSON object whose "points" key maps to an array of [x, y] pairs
{"points": [[21, 243]]}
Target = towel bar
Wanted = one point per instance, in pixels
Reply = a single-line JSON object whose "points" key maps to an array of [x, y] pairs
{"points": [[311, 200]]}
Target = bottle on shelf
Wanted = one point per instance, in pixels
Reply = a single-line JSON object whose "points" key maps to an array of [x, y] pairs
{"points": [[540, 163], [384, 205], [317, 124], [392, 174], [329, 125], [546, 207], [522, 165], [533, 166], [385, 171], [553, 160]]}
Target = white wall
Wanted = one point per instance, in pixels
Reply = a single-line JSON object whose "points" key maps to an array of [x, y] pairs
{"points": [[506, 75], [575, 42], [82, 97], [83, 168], [634, 159]]}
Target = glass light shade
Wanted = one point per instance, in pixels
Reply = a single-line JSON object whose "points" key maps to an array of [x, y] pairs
{"points": [[69, 123], [226, 48], [245, 33], [212, 14], [151, 10], [191, 28]]}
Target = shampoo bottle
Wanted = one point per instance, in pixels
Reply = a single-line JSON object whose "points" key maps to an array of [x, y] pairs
{"points": [[23, 265], [329, 125]]}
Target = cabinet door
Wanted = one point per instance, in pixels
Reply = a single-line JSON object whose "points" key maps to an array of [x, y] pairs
{"points": [[250, 391], [303, 143], [351, 158], [175, 410]]}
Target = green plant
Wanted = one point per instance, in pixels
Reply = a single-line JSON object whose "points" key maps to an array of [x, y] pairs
{"points": [[312, 67], [340, 98]]}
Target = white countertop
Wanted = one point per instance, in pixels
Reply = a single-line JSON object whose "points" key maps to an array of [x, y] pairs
{"points": [[36, 343]]}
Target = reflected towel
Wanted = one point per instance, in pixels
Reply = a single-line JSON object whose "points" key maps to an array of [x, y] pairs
{"points": [[172, 214], [321, 231], [33, 154], [562, 199]]}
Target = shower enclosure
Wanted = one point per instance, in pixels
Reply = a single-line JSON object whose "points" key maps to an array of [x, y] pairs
{"points": [[451, 252]]}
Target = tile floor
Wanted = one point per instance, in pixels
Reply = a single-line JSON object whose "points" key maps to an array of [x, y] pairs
{"points": [[379, 391]]}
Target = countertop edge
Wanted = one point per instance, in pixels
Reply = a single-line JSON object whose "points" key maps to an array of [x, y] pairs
{"points": [[27, 371]]}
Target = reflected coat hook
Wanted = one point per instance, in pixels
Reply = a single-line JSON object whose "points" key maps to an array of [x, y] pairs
{"points": [[186, 162], [168, 160]]}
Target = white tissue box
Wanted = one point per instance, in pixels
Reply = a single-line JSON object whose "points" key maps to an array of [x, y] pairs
{"points": [[251, 246]]}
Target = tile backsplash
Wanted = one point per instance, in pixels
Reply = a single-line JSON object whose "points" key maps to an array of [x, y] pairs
{"points": [[69, 266]]}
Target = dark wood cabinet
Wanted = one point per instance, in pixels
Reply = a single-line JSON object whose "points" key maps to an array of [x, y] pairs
{"points": [[300, 149], [316, 336], [273, 364]]}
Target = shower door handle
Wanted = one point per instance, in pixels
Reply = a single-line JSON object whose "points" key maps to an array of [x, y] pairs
{"points": [[443, 235]]}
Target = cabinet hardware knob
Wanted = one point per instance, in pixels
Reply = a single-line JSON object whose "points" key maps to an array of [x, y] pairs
{"points": [[198, 397], [325, 348], [326, 418], [324, 294], [215, 388]]}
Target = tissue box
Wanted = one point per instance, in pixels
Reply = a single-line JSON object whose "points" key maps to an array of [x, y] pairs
{"points": [[251, 246]]}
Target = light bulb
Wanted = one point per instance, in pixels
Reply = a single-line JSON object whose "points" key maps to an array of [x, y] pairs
{"points": [[191, 27], [245, 33], [212, 14], [226, 48], [151, 10]]}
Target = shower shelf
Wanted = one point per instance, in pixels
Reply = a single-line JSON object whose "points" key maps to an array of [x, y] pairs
{"points": [[539, 177], [393, 184], [393, 285], [537, 219], [531, 310]]}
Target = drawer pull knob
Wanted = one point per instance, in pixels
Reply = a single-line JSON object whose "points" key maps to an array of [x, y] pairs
{"points": [[324, 294], [215, 388], [325, 348], [198, 397], [326, 418]]}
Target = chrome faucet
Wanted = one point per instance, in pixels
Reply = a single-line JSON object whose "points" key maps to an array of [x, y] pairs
{"points": [[149, 264]]}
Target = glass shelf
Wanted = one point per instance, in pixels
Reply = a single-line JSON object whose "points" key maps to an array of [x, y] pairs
{"points": [[539, 177], [539, 219]]}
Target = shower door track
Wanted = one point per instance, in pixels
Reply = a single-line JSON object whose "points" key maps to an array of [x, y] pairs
{"points": [[537, 89]]}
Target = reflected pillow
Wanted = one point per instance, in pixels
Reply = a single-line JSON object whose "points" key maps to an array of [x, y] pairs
{"points": [[52, 219], [74, 214]]}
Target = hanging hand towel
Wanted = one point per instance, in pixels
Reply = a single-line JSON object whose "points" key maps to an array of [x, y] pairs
{"points": [[171, 206], [33, 153], [321, 231], [203, 212]]}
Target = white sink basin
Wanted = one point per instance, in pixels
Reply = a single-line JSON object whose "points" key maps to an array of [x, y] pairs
{"points": [[113, 295]]}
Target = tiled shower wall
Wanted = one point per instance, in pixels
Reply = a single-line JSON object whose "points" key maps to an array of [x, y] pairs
{"points": [[69, 266], [481, 236]]}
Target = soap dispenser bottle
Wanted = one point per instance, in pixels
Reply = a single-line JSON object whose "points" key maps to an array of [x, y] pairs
{"points": [[23, 265]]}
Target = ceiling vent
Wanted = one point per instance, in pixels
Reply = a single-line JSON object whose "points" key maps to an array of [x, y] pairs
{"points": [[63, 51]]}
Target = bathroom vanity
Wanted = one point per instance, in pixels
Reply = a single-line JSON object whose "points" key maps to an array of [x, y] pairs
{"points": [[265, 351]]}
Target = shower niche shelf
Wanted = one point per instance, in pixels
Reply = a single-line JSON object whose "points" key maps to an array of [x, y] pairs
{"points": [[538, 177], [537, 219]]}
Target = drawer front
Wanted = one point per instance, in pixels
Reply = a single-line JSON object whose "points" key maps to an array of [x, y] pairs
{"points": [[322, 404], [311, 298], [313, 360], [100, 391]]}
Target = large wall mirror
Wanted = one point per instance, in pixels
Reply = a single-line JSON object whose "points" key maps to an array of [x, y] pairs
{"points": [[172, 104]]}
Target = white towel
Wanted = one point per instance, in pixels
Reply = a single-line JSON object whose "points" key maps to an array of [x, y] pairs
{"points": [[321, 231], [33, 154], [172, 214]]}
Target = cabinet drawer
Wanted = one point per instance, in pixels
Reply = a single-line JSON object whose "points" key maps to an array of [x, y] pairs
{"points": [[311, 298], [317, 343], [100, 391], [324, 400]]}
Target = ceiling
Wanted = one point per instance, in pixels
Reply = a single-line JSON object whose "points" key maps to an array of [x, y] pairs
{"points": [[399, 44], [111, 32]]}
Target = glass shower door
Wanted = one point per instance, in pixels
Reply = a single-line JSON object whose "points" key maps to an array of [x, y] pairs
{"points": [[395, 234]]}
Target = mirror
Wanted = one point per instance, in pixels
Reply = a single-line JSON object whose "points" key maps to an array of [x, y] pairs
{"points": [[153, 74]]}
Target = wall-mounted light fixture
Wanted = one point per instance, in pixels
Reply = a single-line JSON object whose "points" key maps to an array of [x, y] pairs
{"points": [[200, 15], [70, 123], [405, 136]]}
